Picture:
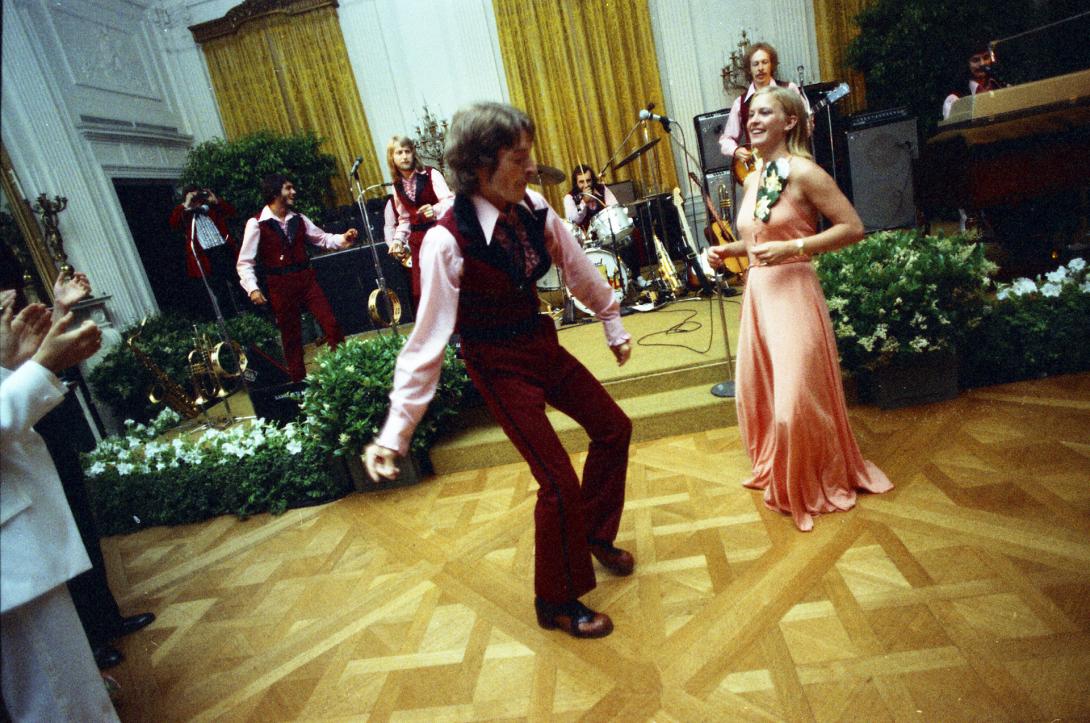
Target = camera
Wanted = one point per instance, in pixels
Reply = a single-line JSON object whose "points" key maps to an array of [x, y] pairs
{"points": [[200, 197]]}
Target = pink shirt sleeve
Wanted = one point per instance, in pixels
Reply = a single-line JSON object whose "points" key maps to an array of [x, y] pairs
{"points": [[401, 233], [389, 222], [320, 238], [732, 132], [247, 257], [420, 362]]}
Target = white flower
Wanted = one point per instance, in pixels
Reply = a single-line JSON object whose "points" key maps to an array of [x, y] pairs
{"points": [[890, 345], [918, 344], [294, 447], [881, 331], [350, 369], [124, 468], [1076, 264], [1023, 286], [867, 342], [344, 438], [783, 168], [96, 469], [1085, 288], [1050, 289], [837, 303], [1058, 276], [1003, 294]]}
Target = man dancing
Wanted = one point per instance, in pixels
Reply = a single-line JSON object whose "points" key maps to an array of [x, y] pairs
{"points": [[277, 238], [478, 269], [420, 195]]}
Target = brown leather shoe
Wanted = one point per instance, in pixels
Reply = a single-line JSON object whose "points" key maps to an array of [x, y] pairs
{"points": [[616, 560], [574, 618]]}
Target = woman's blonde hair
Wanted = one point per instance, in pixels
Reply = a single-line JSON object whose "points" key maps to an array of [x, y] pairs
{"points": [[798, 138], [401, 142]]}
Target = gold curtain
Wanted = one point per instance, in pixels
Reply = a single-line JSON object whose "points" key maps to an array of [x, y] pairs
{"points": [[290, 73], [835, 23], [582, 70]]}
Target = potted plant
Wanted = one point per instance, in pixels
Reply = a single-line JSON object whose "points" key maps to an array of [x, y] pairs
{"points": [[347, 397], [901, 302], [1033, 328]]}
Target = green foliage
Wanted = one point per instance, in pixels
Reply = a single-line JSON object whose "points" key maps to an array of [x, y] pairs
{"points": [[347, 397], [900, 293], [122, 382], [234, 169], [1033, 329], [915, 52], [139, 479]]}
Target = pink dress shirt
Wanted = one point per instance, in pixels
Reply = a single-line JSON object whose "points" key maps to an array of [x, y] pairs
{"points": [[421, 360], [442, 192], [247, 256]]}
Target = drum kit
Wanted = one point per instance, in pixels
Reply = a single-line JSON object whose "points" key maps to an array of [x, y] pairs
{"points": [[611, 230]]}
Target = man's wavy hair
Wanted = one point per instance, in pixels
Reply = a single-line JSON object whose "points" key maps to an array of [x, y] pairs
{"points": [[476, 137], [772, 55], [401, 142]]}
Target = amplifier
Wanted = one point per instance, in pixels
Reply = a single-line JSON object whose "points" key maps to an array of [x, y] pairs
{"points": [[878, 118], [709, 126]]}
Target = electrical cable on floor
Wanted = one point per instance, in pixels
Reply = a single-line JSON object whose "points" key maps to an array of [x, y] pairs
{"points": [[685, 326]]}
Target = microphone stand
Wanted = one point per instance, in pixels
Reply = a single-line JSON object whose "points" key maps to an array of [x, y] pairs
{"points": [[380, 279], [225, 337], [724, 389]]}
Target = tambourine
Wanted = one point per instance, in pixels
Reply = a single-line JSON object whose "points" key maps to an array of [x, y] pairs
{"points": [[376, 314]]}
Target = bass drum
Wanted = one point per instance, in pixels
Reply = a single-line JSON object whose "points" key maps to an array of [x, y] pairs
{"points": [[612, 270]]}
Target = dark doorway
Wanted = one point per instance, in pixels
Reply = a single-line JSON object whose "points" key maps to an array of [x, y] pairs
{"points": [[147, 204]]}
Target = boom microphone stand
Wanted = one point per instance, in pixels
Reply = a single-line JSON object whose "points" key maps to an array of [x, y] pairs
{"points": [[380, 279]]}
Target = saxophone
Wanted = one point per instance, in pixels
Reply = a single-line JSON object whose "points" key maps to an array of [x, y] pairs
{"points": [[164, 389], [666, 266]]}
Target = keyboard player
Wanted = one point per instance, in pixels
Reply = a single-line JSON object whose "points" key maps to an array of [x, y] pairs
{"points": [[981, 79]]}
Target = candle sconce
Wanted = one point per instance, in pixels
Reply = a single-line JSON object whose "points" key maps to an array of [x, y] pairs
{"points": [[49, 210], [734, 72], [430, 140]]}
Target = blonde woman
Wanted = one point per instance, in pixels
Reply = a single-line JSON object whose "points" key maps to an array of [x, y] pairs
{"points": [[791, 410]]}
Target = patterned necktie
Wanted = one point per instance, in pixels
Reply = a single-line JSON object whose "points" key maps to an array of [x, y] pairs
{"points": [[512, 237]]}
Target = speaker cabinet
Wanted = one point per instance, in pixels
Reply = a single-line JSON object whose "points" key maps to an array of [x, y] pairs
{"points": [[880, 158], [624, 191], [709, 126], [348, 278], [830, 145]]}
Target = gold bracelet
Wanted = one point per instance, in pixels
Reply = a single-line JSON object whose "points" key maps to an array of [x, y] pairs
{"points": [[801, 246]]}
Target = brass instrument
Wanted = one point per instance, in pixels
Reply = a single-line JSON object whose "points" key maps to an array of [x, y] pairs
{"points": [[210, 367], [666, 266], [164, 389]]}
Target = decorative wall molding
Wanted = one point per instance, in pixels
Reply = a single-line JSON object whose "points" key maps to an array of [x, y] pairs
{"points": [[251, 10]]}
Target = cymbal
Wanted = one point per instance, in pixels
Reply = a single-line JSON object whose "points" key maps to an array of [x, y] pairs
{"points": [[549, 176], [636, 153]]}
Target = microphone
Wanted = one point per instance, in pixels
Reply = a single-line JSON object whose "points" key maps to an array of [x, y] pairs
{"points": [[355, 166], [648, 115]]}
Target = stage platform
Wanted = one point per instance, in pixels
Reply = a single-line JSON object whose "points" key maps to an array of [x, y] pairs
{"points": [[678, 355]]}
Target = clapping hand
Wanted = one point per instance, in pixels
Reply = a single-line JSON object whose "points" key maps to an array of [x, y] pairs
{"points": [[68, 291], [63, 347], [22, 333]]}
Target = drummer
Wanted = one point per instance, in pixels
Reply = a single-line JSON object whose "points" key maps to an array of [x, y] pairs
{"points": [[587, 197]]}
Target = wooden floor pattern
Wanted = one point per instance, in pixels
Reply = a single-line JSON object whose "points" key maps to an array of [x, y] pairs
{"points": [[964, 594]]}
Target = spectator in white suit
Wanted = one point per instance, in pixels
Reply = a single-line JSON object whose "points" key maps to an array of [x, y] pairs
{"points": [[47, 670]]}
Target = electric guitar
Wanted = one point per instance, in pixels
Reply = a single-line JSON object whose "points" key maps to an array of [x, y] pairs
{"points": [[720, 229], [697, 278], [741, 168]]}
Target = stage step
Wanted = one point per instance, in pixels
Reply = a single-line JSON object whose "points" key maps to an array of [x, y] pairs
{"points": [[480, 442]]}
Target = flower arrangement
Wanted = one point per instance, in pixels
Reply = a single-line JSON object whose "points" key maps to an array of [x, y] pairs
{"points": [[1034, 327], [139, 479], [347, 396], [897, 294]]}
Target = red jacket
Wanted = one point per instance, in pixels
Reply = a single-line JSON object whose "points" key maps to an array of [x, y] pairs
{"points": [[180, 218]]}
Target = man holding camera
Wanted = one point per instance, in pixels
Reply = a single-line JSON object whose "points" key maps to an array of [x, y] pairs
{"points": [[209, 246]]}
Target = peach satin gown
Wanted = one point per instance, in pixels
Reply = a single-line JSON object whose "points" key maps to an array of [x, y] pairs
{"points": [[791, 409]]}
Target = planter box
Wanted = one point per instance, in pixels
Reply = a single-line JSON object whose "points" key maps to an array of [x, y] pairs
{"points": [[414, 469], [931, 377]]}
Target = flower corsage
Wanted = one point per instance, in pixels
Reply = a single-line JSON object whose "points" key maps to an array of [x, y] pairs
{"points": [[772, 182]]}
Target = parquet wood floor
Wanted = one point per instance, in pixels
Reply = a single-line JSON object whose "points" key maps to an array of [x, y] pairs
{"points": [[964, 594]]}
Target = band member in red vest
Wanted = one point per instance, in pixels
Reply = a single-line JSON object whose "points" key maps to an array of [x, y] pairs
{"points": [[588, 196], [420, 194], [478, 271], [981, 61], [276, 239], [202, 217], [760, 65]]}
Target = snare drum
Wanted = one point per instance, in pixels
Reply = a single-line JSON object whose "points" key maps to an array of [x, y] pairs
{"points": [[611, 224], [612, 270]]}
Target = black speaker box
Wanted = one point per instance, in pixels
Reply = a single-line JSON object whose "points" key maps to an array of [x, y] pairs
{"points": [[830, 144], [709, 126], [625, 191], [880, 158], [348, 278]]}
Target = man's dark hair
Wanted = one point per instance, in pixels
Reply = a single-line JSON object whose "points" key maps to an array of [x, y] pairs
{"points": [[595, 183], [477, 135], [272, 185], [189, 187]]}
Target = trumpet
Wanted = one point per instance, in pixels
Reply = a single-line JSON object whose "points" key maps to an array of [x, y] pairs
{"points": [[211, 366]]}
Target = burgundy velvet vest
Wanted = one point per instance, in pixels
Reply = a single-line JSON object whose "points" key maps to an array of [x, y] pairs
{"points": [[497, 300], [425, 194], [275, 249]]}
